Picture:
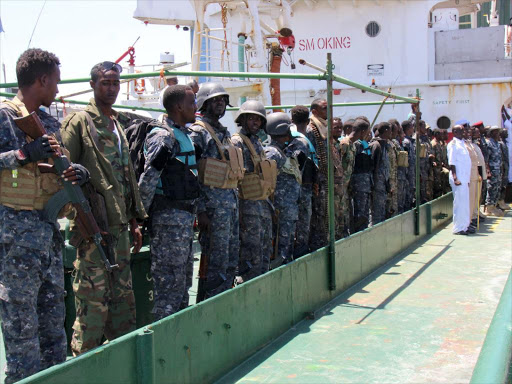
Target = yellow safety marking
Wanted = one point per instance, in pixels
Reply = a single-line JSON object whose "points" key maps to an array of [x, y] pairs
{"points": [[495, 225]]}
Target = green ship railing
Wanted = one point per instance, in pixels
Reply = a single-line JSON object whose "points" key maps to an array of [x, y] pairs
{"points": [[325, 75], [494, 364]]}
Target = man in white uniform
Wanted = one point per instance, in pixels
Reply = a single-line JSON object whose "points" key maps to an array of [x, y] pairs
{"points": [[460, 172]]}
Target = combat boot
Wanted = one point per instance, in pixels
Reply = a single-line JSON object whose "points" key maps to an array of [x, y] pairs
{"points": [[493, 211], [502, 205]]}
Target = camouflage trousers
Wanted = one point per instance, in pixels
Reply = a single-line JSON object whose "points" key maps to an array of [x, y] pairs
{"points": [[493, 187], [172, 260], [424, 182], [339, 214], [318, 226], [378, 207], [360, 186], [222, 244], [504, 183], [304, 222], [32, 309], [392, 203], [285, 233], [401, 195], [438, 183], [105, 304], [346, 210], [255, 245]]}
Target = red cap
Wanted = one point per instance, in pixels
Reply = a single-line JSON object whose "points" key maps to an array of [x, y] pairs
{"points": [[478, 123]]}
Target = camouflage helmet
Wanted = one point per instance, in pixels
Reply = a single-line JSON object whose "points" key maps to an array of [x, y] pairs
{"points": [[253, 107], [278, 124], [209, 91]]}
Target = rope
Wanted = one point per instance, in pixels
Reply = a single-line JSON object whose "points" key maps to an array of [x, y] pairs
{"points": [[224, 14]]}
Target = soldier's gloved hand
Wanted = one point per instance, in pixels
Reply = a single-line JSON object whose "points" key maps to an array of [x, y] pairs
{"points": [[77, 174], [41, 148]]}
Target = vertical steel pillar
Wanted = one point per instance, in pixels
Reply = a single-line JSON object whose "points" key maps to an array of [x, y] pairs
{"points": [[241, 59], [418, 202], [145, 357], [330, 180]]}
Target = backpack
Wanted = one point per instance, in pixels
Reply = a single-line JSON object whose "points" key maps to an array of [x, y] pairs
{"points": [[136, 135]]}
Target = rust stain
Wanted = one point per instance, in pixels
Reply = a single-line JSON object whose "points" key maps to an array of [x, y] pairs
{"points": [[292, 376]]}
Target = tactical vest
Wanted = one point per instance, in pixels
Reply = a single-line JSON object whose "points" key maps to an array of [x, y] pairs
{"points": [[224, 173], [363, 161], [26, 188], [261, 183], [290, 166], [178, 180], [403, 159], [423, 151]]}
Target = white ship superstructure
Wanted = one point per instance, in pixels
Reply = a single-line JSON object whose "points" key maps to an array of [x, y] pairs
{"points": [[405, 45]]}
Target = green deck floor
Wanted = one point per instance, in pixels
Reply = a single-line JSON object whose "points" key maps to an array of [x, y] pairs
{"points": [[421, 318]]}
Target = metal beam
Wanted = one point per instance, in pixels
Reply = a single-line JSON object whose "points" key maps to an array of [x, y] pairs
{"points": [[330, 181]]}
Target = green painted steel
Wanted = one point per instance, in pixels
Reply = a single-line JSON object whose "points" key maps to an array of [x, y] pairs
{"points": [[207, 340], [494, 364], [428, 207], [145, 357], [417, 168], [120, 106], [330, 180]]}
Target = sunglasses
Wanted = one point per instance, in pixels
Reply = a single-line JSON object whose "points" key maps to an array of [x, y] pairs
{"points": [[109, 65]]}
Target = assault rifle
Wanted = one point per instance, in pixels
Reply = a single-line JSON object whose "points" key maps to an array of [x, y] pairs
{"points": [[72, 193]]}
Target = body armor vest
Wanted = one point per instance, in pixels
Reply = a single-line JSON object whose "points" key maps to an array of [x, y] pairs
{"points": [[363, 160]]}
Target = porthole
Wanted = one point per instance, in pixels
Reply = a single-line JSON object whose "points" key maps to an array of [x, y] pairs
{"points": [[372, 29], [443, 122]]}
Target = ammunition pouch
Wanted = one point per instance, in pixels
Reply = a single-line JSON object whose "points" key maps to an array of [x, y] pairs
{"points": [[26, 188], [223, 173], [291, 167], [309, 171], [248, 267], [277, 262], [179, 181], [423, 151], [161, 202], [261, 183], [362, 163], [403, 159]]}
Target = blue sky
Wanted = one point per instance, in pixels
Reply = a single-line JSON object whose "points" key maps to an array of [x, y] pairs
{"points": [[83, 33]]}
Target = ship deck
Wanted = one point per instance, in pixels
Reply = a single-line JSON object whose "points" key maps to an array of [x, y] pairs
{"points": [[423, 317]]}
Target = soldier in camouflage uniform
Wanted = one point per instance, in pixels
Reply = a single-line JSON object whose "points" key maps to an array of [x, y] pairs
{"points": [[402, 182], [410, 146], [31, 270], [437, 165], [347, 153], [169, 189], [255, 215], [105, 304], [426, 179], [309, 168], [504, 178], [317, 134], [337, 127], [283, 149], [361, 182], [495, 164], [217, 207], [380, 161], [444, 158], [393, 148]]}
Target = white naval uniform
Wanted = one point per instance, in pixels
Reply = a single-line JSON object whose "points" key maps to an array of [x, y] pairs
{"points": [[458, 155]]}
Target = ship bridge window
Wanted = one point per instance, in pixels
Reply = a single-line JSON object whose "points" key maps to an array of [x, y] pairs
{"points": [[443, 122], [372, 29]]}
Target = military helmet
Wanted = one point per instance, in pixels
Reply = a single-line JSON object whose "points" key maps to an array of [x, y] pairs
{"points": [[278, 124], [209, 91], [254, 107]]}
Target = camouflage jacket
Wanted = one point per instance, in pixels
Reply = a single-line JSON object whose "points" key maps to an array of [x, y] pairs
{"points": [[380, 159], [111, 170], [495, 157], [206, 147], [393, 149], [437, 151], [347, 152], [28, 229], [287, 193]]}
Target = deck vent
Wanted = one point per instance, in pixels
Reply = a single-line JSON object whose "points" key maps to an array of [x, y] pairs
{"points": [[443, 122], [372, 29]]}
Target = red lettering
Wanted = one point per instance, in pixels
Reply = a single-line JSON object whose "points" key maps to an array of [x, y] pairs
{"points": [[346, 42], [338, 43], [302, 47], [329, 42], [321, 40], [310, 46]]}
